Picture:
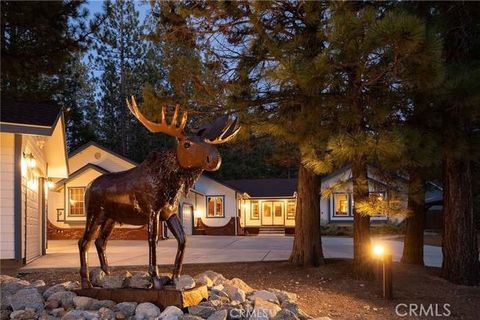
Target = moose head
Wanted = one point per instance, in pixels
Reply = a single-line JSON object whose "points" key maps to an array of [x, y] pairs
{"points": [[195, 150]]}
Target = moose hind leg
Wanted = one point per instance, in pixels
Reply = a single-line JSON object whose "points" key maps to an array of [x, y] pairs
{"points": [[91, 227], [175, 226], [106, 230]]}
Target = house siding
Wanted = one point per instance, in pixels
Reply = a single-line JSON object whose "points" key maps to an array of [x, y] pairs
{"points": [[7, 216]]}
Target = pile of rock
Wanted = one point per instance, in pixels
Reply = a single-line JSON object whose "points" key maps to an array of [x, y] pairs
{"points": [[227, 299]]}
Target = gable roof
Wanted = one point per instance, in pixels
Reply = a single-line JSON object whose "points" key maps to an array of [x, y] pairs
{"points": [[265, 188], [92, 143], [79, 172], [29, 117]]}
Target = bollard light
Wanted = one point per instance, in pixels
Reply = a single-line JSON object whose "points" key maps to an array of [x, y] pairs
{"points": [[386, 258]]}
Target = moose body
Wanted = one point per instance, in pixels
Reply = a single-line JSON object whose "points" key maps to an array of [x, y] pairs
{"points": [[151, 192]]}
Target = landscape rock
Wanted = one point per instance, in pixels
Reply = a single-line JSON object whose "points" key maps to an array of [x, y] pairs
{"points": [[217, 278], [293, 307], [201, 311], [184, 282], [23, 315], [285, 314], [126, 308], [58, 312], [218, 315], [80, 315], [68, 285], [189, 317], [27, 298], [37, 284], [239, 283], [146, 311], [98, 304], [284, 296], [64, 299], [117, 281], [10, 285], [171, 313], [264, 310], [106, 314], [5, 314], [234, 293], [140, 280], [264, 295], [97, 276], [84, 303], [120, 316], [204, 279]]}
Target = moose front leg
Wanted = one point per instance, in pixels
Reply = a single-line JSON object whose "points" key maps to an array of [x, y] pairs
{"points": [[175, 226]]}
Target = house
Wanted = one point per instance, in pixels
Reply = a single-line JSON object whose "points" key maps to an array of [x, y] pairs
{"points": [[33, 153], [209, 208]]}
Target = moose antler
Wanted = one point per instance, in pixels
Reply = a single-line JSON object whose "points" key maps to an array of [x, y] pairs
{"points": [[171, 129], [220, 131]]}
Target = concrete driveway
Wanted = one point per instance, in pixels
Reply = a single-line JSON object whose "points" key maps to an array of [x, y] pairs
{"points": [[63, 254]]}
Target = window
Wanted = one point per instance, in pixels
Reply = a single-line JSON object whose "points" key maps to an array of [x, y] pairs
{"points": [[267, 209], [255, 211], [215, 207], [340, 204], [291, 209], [378, 197], [76, 200], [278, 209]]}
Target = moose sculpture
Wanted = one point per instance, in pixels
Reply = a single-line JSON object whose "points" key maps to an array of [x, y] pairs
{"points": [[151, 191]]}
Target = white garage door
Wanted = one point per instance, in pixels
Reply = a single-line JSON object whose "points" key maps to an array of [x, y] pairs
{"points": [[33, 222]]}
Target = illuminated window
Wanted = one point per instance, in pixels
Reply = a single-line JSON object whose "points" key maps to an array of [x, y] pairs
{"points": [[267, 209], [76, 200], [278, 209], [255, 211], [340, 204], [215, 208], [291, 209]]}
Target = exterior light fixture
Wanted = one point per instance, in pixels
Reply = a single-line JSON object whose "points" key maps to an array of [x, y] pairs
{"points": [[385, 256]]}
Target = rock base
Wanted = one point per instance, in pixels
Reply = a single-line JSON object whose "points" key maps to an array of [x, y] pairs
{"points": [[168, 296]]}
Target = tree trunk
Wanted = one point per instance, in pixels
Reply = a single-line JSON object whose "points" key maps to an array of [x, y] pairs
{"points": [[307, 245], [460, 251], [362, 266], [413, 244]]}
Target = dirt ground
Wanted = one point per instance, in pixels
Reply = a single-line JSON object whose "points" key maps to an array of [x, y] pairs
{"points": [[331, 290]]}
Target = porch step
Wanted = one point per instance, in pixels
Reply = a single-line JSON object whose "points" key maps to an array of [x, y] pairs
{"points": [[272, 230]]}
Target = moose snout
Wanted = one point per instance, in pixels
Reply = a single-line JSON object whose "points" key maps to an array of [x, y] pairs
{"points": [[213, 161]]}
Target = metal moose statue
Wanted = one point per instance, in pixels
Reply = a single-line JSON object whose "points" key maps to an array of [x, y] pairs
{"points": [[151, 191]]}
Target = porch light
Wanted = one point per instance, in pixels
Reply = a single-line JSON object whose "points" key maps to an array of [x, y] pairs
{"points": [[49, 184], [385, 256], [30, 160]]}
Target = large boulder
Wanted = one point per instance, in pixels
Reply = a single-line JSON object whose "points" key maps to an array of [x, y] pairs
{"points": [[10, 285], [146, 311], [201, 311], [264, 295], [140, 280], [117, 281], [239, 283], [27, 298], [170, 313], [184, 282], [216, 278], [126, 308]]}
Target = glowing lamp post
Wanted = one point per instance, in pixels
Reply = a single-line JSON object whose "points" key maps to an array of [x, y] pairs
{"points": [[386, 258]]}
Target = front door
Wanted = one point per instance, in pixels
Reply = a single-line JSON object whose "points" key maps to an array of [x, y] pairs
{"points": [[267, 213], [187, 218], [278, 213]]}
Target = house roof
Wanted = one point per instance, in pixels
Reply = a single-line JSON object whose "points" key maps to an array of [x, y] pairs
{"points": [[29, 117], [75, 174], [265, 188], [92, 143]]}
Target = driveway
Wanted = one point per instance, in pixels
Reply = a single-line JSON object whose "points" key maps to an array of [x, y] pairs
{"points": [[63, 254]]}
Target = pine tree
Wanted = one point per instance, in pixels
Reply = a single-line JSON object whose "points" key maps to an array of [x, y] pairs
{"points": [[119, 52]]}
